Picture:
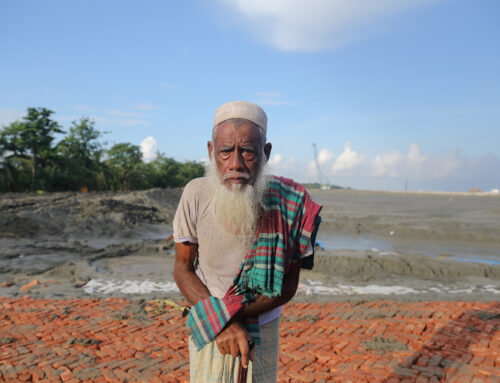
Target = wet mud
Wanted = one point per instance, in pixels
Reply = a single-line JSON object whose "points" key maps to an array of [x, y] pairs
{"points": [[65, 240]]}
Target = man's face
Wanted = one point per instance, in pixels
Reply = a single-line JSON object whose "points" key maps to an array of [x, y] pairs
{"points": [[238, 153]]}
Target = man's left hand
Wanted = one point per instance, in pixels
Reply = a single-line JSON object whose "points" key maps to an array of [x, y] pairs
{"points": [[234, 340]]}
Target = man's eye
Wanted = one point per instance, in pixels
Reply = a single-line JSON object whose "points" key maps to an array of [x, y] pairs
{"points": [[249, 154]]}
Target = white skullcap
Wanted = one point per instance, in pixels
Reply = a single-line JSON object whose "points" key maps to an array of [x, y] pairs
{"points": [[241, 109]]}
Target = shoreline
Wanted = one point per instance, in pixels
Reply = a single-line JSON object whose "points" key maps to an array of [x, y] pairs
{"points": [[411, 192], [67, 240], [337, 276]]}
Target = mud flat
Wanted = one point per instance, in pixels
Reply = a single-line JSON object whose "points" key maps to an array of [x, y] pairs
{"points": [[376, 246], [459, 218]]}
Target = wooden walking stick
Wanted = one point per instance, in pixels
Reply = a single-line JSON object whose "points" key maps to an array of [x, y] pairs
{"points": [[243, 371]]}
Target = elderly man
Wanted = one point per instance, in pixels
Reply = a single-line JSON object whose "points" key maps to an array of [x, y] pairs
{"points": [[241, 239]]}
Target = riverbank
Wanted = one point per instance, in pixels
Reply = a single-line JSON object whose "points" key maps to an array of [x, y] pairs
{"points": [[76, 245]]}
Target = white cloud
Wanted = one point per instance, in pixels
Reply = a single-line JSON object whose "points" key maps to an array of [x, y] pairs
{"points": [[415, 153], [112, 117], [269, 101], [388, 164], [288, 167], [149, 149], [120, 121], [452, 171], [348, 159], [325, 161], [85, 108], [270, 98], [269, 94], [325, 156], [131, 122], [7, 116], [147, 107], [276, 159], [299, 25], [121, 113]]}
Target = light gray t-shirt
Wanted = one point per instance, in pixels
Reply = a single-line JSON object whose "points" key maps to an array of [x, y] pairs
{"points": [[220, 252]]}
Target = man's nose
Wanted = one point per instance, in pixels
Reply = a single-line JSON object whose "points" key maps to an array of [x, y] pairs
{"points": [[236, 162]]}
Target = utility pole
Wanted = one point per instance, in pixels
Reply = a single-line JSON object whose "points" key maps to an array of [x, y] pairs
{"points": [[320, 175]]}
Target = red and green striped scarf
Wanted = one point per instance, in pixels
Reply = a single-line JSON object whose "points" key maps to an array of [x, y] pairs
{"points": [[290, 219]]}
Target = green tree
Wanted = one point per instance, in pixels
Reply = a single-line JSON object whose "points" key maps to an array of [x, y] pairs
{"points": [[190, 170], [124, 158], [80, 155], [167, 172], [31, 139], [81, 142], [30, 161], [8, 172]]}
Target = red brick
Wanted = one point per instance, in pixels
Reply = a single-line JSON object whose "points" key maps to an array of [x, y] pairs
{"points": [[37, 374], [66, 375], [330, 347]]}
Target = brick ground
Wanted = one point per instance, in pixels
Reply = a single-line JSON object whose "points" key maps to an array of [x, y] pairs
{"points": [[115, 340]]}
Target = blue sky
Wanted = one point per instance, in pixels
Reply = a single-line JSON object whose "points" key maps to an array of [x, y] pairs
{"points": [[389, 91]]}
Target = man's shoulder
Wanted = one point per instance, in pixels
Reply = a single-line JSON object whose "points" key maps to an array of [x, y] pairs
{"points": [[197, 183], [282, 183], [197, 188]]}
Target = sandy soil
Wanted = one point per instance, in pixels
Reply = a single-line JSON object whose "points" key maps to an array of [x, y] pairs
{"points": [[113, 244]]}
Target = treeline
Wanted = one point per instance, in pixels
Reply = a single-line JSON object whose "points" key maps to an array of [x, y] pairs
{"points": [[32, 160]]}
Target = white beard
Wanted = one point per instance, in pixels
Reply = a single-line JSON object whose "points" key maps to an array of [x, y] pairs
{"points": [[238, 210]]}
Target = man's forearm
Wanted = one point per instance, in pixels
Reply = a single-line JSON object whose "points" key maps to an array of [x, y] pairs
{"points": [[185, 277], [261, 305], [194, 290], [190, 285], [264, 304]]}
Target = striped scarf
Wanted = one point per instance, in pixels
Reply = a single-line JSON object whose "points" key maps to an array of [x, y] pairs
{"points": [[290, 219]]}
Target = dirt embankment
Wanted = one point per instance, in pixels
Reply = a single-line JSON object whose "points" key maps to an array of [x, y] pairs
{"points": [[369, 266], [85, 215], [60, 235]]}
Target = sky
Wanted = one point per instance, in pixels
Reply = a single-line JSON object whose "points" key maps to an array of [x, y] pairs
{"points": [[394, 94]]}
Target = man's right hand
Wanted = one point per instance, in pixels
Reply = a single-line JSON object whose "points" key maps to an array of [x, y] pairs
{"points": [[234, 340]]}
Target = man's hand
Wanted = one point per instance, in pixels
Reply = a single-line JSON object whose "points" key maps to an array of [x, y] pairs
{"points": [[234, 340], [264, 304]]}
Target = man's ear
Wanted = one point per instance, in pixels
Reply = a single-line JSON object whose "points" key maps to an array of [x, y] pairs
{"points": [[267, 150], [210, 149]]}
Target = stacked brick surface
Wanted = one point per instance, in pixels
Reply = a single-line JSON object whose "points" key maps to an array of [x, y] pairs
{"points": [[115, 340]]}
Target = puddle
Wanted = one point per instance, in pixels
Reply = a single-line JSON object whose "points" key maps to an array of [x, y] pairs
{"points": [[359, 243], [451, 251]]}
